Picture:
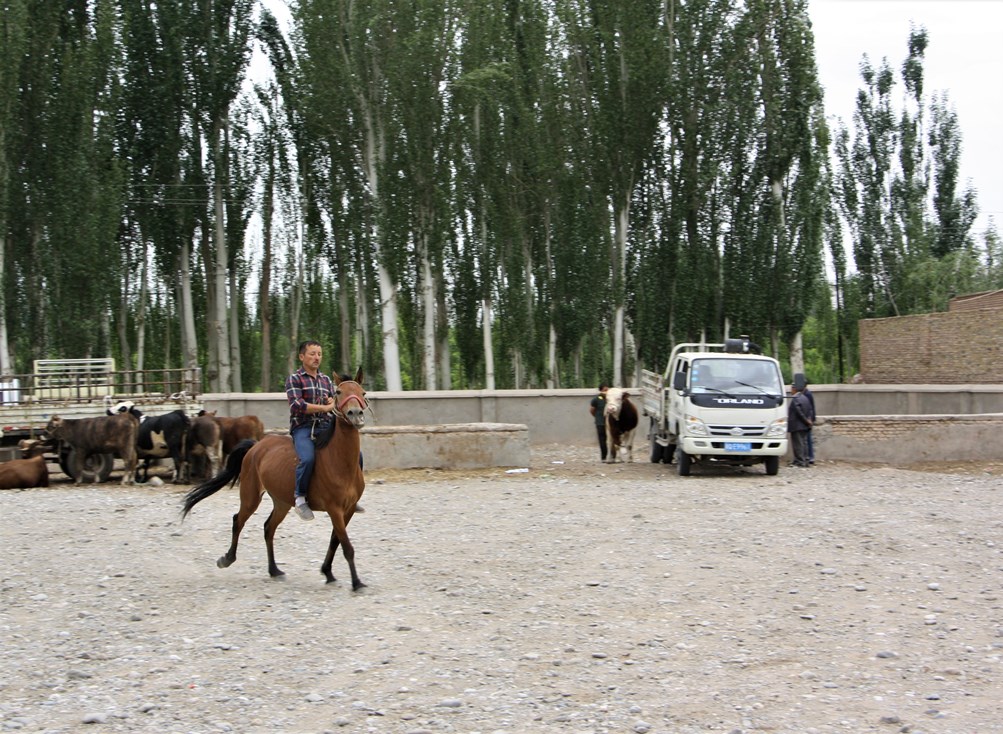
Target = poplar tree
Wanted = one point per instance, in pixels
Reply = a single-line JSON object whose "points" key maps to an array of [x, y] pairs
{"points": [[13, 39]]}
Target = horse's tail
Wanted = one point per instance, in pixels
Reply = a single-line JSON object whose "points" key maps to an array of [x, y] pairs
{"points": [[228, 475]]}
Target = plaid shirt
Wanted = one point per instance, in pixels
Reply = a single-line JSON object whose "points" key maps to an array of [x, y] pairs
{"points": [[301, 389]]}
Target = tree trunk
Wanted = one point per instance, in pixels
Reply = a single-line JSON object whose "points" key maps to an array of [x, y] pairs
{"points": [[189, 342], [221, 328], [6, 366], [374, 145], [144, 297], [619, 269], [296, 304], [209, 279], [443, 362], [344, 317], [264, 301], [236, 381], [797, 354], [427, 298], [487, 307], [553, 381], [122, 330], [362, 317]]}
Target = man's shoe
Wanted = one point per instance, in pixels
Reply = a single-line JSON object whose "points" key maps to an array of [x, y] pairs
{"points": [[303, 509]]}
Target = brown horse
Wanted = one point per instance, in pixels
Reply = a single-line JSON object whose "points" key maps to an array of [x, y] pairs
{"points": [[269, 465]]}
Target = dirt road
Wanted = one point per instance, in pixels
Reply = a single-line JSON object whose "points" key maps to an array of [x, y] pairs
{"points": [[575, 597]]}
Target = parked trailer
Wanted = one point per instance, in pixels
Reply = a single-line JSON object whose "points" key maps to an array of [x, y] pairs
{"points": [[85, 388]]}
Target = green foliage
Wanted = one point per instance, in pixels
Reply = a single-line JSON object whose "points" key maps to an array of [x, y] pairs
{"points": [[548, 163]]}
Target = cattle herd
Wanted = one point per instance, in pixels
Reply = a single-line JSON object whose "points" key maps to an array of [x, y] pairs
{"points": [[196, 446]]}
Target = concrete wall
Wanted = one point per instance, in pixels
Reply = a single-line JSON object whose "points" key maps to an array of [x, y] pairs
{"points": [[891, 400], [552, 416], [449, 446], [890, 423]]}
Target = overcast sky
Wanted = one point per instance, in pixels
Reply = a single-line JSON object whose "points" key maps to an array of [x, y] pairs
{"points": [[964, 59]]}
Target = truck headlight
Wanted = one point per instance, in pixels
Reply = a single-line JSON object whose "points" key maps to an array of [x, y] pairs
{"points": [[777, 429], [694, 426]]}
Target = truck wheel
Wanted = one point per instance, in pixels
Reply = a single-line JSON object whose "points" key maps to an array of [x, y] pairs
{"points": [[684, 461], [772, 465], [91, 469]]}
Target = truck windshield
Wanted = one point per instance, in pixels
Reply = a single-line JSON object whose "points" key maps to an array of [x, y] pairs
{"points": [[735, 376]]}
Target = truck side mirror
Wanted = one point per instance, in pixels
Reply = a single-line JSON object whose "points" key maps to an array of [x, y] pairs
{"points": [[679, 381]]}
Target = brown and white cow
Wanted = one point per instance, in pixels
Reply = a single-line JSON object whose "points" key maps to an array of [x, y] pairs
{"points": [[621, 420], [105, 434], [24, 473]]}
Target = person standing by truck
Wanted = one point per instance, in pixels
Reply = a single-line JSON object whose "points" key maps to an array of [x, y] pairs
{"points": [[598, 410], [799, 423], [800, 380]]}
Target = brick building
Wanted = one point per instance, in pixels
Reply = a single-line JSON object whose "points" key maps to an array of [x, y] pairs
{"points": [[961, 346]]}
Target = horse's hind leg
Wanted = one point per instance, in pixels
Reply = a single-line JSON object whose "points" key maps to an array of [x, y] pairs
{"points": [[230, 556], [271, 525], [248, 504]]}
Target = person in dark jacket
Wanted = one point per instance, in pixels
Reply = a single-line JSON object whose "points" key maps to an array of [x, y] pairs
{"points": [[799, 423], [802, 383], [598, 410]]}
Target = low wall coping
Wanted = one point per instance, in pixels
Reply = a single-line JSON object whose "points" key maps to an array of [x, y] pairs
{"points": [[449, 428], [915, 418]]}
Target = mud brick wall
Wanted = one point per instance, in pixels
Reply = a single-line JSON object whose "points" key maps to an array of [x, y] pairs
{"points": [[988, 299], [956, 347], [909, 439]]}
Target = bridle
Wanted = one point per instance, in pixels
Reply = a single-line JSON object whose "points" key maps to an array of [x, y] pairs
{"points": [[339, 408]]}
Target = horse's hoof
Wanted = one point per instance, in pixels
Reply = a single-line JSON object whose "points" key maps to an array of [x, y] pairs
{"points": [[276, 573], [358, 586], [223, 562]]}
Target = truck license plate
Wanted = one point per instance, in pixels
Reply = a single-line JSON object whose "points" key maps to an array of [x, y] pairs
{"points": [[737, 446]]}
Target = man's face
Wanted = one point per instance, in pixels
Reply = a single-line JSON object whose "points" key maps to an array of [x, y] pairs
{"points": [[311, 357]]}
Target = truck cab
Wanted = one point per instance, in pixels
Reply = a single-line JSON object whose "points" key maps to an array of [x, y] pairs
{"points": [[722, 403]]}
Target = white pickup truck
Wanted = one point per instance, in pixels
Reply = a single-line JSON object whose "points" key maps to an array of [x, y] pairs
{"points": [[85, 388], [717, 403]]}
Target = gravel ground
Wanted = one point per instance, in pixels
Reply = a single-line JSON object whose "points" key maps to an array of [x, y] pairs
{"points": [[576, 597]]}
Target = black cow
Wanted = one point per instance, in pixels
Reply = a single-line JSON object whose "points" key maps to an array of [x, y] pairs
{"points": [[102, 435], [161, 436]]}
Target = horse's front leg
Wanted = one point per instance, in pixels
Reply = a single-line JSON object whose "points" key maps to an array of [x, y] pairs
{"points": [[329, 558], [339, 535]]}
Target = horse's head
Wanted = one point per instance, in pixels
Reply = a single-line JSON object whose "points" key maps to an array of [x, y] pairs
{"points": [[350, 400], [614, 401]]}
